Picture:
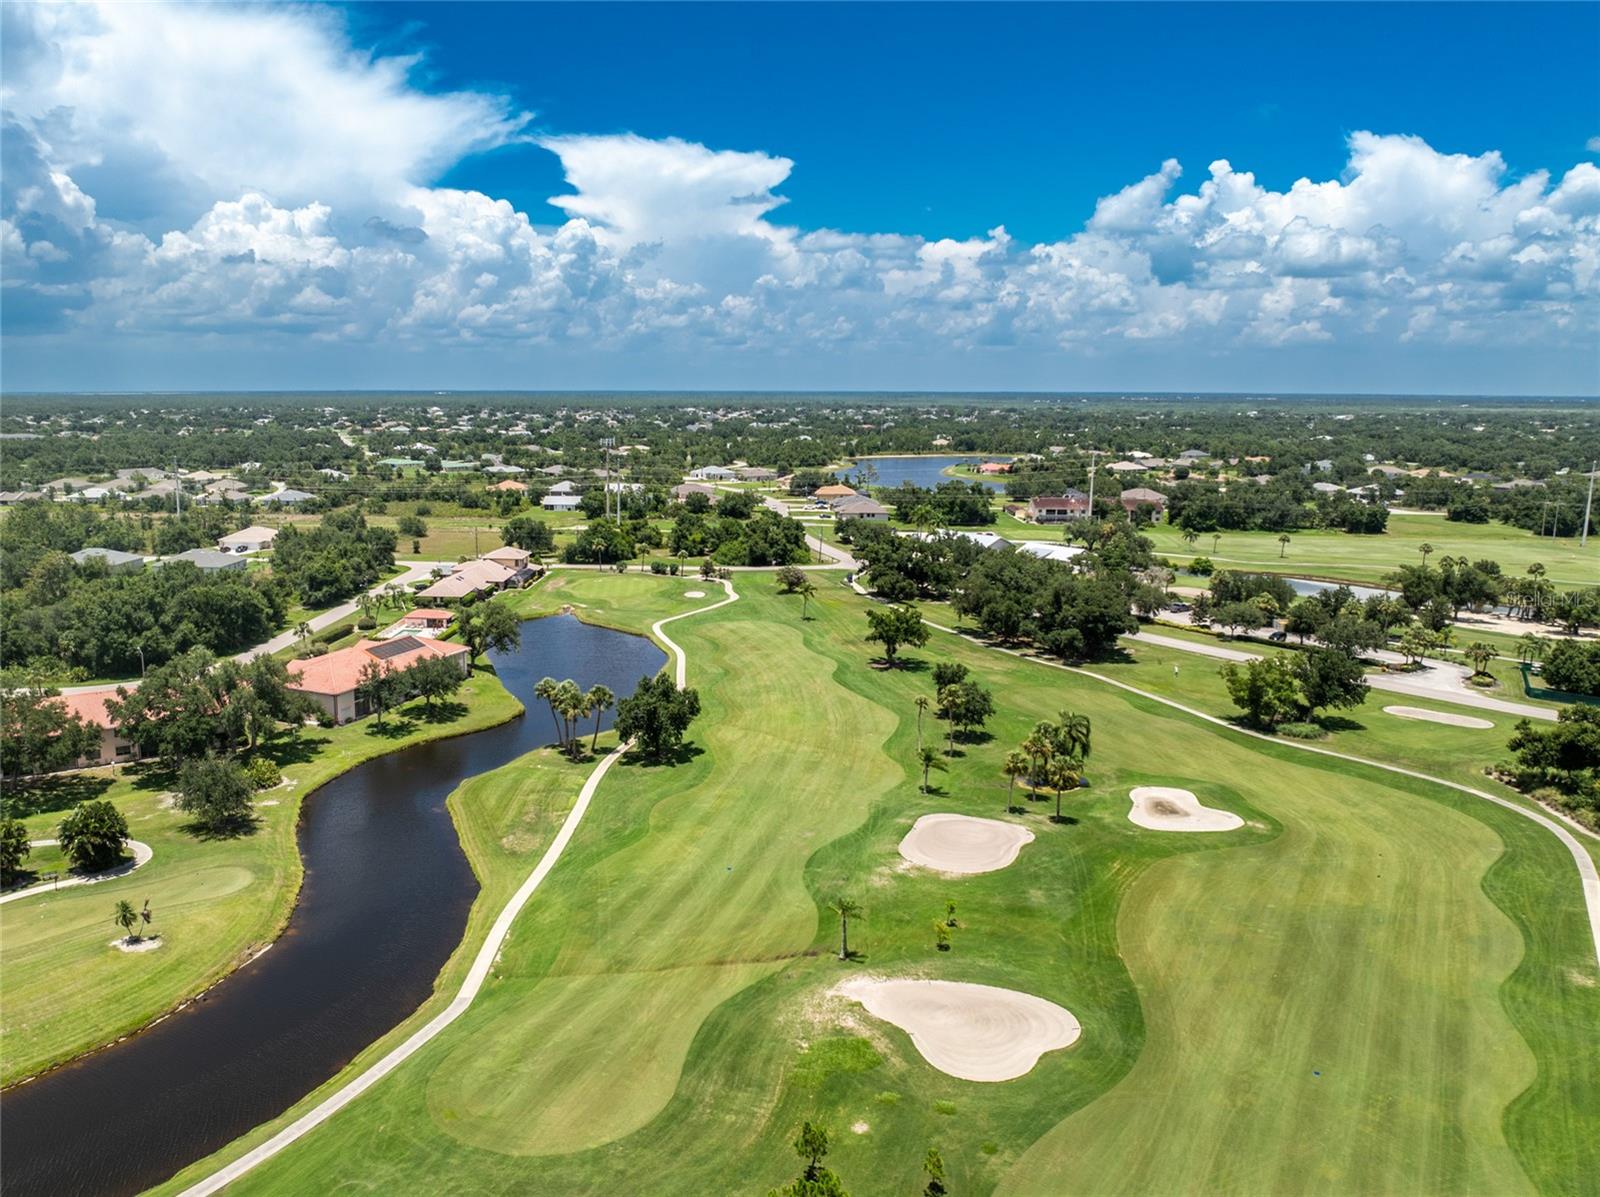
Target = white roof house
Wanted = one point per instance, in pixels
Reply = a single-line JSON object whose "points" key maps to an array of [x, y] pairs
{"points": [[720, 473], [1048, 550], [253, 539], [554, 502]]}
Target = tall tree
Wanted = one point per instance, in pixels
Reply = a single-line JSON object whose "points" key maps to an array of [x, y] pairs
{"points": [[896, 626], [491, 625], [657, 715], [598, 700], [1015, 765], [216, 792], [846, 909]]}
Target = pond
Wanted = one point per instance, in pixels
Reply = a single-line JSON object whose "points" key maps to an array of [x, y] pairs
{"points": [[920, 471], [384, 903]]}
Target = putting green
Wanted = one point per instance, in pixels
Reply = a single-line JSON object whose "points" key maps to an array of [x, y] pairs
{"points": [[661, 1022]]}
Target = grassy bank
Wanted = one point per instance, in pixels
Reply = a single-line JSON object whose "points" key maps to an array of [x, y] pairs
{"points": [[216, 901]]}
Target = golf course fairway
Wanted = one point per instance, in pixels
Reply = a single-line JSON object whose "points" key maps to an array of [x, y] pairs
{"points": [[1373, 985]]}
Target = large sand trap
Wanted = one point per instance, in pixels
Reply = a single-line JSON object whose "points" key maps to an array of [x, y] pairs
{"points": [[962, 844], [975, 1032], [1163, 808], [694, 594], [1437, 717]]}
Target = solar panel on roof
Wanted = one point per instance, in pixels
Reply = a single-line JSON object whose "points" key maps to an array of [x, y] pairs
{"points": [[396, 647]]}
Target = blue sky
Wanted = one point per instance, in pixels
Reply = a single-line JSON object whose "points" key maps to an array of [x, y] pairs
{"points": [[1111, 196]]}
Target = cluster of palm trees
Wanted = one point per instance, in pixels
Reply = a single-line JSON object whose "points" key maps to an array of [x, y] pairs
{"points": [[1051, 757], [570, 703]]}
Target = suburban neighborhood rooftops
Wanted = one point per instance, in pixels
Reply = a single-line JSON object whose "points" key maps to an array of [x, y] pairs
{"points": [[90, 705], [834, 490]]}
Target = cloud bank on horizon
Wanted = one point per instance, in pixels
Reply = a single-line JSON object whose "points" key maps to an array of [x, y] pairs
{"points": [[248, 174]]}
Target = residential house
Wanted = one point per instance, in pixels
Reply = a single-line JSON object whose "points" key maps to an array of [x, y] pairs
{"points": [[561, 502], [209, 561], [509, 486], [682, 492], [834, 490], [756, 474], [1049, 550], [504, 469], [254, 539], [564, 488], [713, 473], [1143, 496], [90, 706], [859, 507], [115, 561], [332, 678], [509, 556], [288, 497], [9, 498], [1058, 509], [994, 467], [1127, 467]]}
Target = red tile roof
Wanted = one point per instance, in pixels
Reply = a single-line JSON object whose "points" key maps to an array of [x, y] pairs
{"points": [[90, 705], [338, 672]]}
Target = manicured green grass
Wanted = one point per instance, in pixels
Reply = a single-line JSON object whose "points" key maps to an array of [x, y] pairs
{"points": [[661, 1021], [67, 991], [1320, 553]]}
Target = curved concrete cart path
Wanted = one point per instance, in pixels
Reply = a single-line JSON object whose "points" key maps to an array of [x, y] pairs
{"points": [[1445, 717], [1165, 808], [962, 844], [472, 983], [975, 1032], [141, 856], [1552, 822]]}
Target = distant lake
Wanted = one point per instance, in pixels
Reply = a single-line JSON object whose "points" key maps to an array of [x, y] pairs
{"points": [[926, 472]]}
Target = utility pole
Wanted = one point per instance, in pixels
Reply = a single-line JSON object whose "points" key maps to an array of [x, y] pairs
{"points": [[606, 442], [1588, 506], [1093, 453]]}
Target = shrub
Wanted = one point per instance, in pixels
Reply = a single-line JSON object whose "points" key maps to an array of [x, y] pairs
{"points": [[1297, 730], [337, 632], [1202, 567], [1573, 666], [13, 849], [263, 773], [93, 835]]}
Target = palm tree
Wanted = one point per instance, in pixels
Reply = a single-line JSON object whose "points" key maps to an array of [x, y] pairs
{"points": [[1536, 570], [598, 699], [1014, 766], [1480, 654], [547, 689], [1040, 747], [569, 702], [923, 703], [806, 590], [1216, 539], [1527, 647], [1063, 773], [303, 630], [1283, 545], [1190, 536], [127, 918], [1075, 732], [846, 909], [929, 759], [1425, 549], [146, 916]]}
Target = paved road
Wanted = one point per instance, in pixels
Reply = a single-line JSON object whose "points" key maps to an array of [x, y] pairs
{"points": [[417, 571], [1440, 680]]}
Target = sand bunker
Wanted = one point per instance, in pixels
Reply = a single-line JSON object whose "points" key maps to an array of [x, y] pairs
{"points": [[975, 1032], [1437, 717], [694, 594], [962, 844], [1163, 808]]}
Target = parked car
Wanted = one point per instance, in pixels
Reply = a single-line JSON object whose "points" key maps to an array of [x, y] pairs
{"points": [[1278, 637], [1180, 606]]}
